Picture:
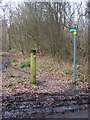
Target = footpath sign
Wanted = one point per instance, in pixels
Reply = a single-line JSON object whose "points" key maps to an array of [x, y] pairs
{"points": [[73, 30]]}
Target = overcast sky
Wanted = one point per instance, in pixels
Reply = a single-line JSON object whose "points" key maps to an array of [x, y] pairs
{"points": [[16, 1], [6, 1], [19, 1]]}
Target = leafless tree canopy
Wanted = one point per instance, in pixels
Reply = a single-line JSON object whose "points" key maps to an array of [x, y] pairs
{"points": [[45, 26]]}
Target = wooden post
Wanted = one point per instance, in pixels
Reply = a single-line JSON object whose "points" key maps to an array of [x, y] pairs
{"points": [[33, 67]]}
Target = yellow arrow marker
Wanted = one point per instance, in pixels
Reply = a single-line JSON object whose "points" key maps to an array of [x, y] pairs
{"points": [[75, 33], [34, 56]]}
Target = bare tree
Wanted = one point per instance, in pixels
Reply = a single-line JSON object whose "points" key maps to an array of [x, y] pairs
{"points": [[88, 10], [45, 26]]}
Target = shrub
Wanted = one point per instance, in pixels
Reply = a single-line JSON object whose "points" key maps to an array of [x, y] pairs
{"points": [[24, 63]]}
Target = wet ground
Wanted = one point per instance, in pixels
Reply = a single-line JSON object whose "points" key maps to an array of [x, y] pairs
{"points": [[75, 114], [4, 62], [43, 105]]}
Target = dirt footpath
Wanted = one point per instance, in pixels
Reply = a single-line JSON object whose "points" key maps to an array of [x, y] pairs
{"points": [[49, 96]]}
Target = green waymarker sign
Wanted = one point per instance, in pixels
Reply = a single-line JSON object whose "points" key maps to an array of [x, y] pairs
{"points": [[71, 29]]}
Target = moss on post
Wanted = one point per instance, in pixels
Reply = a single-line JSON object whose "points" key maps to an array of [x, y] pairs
{"points": [[33, 67]]}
